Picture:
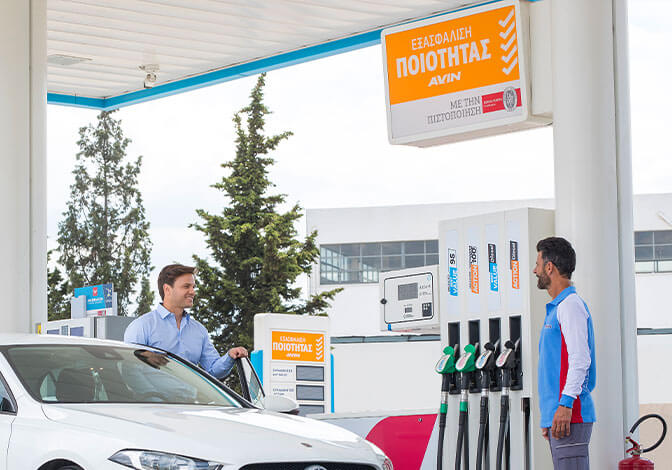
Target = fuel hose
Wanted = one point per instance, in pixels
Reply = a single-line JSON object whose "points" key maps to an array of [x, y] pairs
{"points": [[503, 431], [483, 431], [445, 367], [463, 426], [443, 410]]}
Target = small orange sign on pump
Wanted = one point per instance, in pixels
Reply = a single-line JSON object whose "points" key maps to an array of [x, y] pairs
{"points": [[297, 346], [515, 275]]}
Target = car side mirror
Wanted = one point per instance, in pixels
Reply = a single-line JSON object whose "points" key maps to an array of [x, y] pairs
{"points": [[281, 404]]}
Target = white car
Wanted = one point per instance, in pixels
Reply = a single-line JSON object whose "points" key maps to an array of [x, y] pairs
{"points": [[84, 404]]}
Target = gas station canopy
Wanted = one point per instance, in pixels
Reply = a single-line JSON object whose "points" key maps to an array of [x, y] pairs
{"points": [[106, 54]]}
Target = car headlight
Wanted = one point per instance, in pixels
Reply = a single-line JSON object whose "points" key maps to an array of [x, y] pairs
{"points": [[151, 460], [383, 460]]}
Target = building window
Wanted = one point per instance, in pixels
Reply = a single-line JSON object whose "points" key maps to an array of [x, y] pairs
{"points": [[653, 251], [354, 263]]}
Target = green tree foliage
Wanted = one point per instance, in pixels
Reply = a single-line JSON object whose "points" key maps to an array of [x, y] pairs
{"points": [[255, 256], [58, 292], [104, 234]]}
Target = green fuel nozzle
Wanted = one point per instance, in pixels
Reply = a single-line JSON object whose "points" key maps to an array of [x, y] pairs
{"points": [[467, 362], [446, 364]]}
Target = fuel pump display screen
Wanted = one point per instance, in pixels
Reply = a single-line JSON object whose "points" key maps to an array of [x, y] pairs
{"points": [[310, 373], [407, 291], [309, 392]]}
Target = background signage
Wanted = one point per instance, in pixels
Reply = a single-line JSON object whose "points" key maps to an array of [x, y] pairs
{"points": [[98, 299]]}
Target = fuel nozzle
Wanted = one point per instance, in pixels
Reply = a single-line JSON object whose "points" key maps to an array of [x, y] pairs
{"points": [[446, 364], [466, 364], [507, 361], [486, 363]]}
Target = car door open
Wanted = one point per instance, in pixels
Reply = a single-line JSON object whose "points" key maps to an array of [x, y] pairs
{"points": [[253, 391]]}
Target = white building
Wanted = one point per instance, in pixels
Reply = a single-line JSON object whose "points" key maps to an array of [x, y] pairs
{"points": [[357, 243]]}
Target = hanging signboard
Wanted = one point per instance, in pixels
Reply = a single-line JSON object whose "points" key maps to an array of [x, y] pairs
{"points": [[456, 76]]}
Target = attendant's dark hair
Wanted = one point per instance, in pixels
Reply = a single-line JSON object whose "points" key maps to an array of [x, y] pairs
{"points": [[171, 272], [558, 251]]}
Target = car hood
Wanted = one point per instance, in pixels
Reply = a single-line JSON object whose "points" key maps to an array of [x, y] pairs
{"points": [[225, 435]]}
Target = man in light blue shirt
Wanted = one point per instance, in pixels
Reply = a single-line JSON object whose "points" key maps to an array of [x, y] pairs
{"points": [[171, 328]]}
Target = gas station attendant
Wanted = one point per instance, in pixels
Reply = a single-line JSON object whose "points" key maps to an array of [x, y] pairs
{"points": [[566, 358], [171, 328]]}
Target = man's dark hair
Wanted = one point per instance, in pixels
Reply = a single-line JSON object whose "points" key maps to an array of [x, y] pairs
{"points": [[558, 251], [171, 272]]}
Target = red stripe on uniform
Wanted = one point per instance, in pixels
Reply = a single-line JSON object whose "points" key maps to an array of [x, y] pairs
{"points": [[564, 367]]}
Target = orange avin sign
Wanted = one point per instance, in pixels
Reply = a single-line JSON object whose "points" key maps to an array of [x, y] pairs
{"points": [[464, 53], [297, 346]]}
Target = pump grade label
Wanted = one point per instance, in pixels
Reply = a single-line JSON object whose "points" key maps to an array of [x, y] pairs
{"points": [[297, 346], [452, 272], [473, 269], [514, 265], [492, 267]]}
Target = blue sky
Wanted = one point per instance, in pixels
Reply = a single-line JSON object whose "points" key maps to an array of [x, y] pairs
{"points": [[339, 155]]}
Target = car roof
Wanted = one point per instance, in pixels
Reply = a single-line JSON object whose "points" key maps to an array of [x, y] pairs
{"points": [[11, 339]]}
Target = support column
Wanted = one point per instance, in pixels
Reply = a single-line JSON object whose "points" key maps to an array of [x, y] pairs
{"points": [[593, 190], [23, 160]]}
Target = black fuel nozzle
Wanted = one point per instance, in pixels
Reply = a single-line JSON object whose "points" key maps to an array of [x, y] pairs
{"points": [[507, 361], [486, 364]]}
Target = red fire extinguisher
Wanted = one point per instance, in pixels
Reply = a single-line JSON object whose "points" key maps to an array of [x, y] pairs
{"points": [[635, 462]]}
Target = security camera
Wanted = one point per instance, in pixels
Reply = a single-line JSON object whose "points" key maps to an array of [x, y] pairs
{"points": [[150, 78]]}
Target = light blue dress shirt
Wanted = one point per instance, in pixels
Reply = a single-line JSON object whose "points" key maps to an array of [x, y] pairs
{"points": [[158, 329]]}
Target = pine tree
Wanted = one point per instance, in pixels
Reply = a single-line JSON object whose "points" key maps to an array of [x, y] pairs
{"points": [[255, 256], [58, 292], [104, 234]]}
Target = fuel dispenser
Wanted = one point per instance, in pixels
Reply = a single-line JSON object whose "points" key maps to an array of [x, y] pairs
{"points": [[488, 297]]}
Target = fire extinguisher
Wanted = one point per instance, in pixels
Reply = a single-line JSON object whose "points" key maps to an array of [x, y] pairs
{"points": [[635, 462]]}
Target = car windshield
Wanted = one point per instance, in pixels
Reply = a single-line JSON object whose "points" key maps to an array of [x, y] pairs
{"points": [[109, 374]]}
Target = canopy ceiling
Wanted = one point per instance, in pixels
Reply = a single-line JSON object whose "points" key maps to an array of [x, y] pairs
{"points": [[96, 48]]}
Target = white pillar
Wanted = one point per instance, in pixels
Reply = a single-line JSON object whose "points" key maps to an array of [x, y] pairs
{"points": [[23, 160], [593, 187]]}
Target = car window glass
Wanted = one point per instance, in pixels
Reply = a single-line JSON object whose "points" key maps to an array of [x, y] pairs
{"points": [[91, 374], [6, 405], [48, 387], [253, 384]]}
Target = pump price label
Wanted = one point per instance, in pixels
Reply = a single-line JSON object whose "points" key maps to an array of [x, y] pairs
{"points": [[492, 265], [514, 265], [473, 269], [452, 272], [297, 346]]}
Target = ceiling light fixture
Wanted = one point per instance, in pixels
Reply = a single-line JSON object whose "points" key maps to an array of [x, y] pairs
{"points": [[65, 60]]}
